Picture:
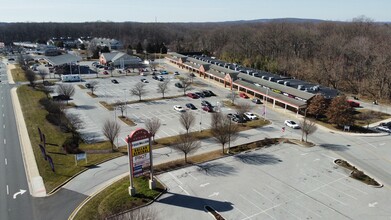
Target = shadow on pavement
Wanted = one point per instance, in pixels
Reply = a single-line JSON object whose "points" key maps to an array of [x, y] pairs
{"points": [[216, 169], [191, 202], [257, 159], [86, 107], [334, 147]]}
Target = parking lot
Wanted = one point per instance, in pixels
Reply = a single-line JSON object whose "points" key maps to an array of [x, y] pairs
{"points": [[280, 182], [94, 114]]}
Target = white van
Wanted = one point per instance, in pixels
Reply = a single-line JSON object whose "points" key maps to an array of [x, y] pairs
{"points": [[70, 78]]}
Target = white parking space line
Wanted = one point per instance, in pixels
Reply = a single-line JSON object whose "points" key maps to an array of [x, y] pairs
{"points": [[175, 178], [342, 203], [184, 190]]}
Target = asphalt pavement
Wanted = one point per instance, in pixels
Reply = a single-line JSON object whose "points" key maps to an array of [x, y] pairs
{"points": [[15, 199]]}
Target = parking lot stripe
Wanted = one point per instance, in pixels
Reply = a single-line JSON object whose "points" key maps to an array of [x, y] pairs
{"points": [[297, 204], [175, 178], [238, 209], [184, 190], [332, 198]]}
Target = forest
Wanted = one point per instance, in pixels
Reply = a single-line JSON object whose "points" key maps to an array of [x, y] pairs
{"points": [[354, 57]]}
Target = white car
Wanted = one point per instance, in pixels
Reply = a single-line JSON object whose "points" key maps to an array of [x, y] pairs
{"points": [[383, 128], [291, 124], [251, 115], [178, 108]]}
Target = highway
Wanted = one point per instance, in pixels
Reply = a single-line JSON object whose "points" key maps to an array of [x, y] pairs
{"points": [[15, 200]]}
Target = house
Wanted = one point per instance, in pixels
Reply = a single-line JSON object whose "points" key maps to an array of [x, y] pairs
{"points": [[112, 44]]}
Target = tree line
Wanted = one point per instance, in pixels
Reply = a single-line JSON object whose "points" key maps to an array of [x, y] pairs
{"points": [[353, 57]]}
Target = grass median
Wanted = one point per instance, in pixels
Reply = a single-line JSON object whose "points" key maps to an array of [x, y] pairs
{"points": [[65, 168], [18, 74], [116, 198]]}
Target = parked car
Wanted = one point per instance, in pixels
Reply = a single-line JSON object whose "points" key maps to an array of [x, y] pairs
{"points": [[160, 78], [155, 77], [179, 85], [353, 104], [200, 94], [176, 73], [192, 95], [114, 81], [178, 108], [205, 103], [383, 128], [256, 101], [251, 116], [207, 108], [88, 86], [105, 73], [144, 80], [291, 124], [206, 93], [191, 106], [238, 119], [243, 95], [210, 93], [386, 124], [163, 72]]}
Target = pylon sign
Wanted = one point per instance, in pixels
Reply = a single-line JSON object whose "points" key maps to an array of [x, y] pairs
{"points": [[139, 152]]}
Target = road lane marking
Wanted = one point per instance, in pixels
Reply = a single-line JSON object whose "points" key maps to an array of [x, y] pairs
{"points": [[8, 191], [3, 126], [5, 160], [5, 142], [203, 185]]}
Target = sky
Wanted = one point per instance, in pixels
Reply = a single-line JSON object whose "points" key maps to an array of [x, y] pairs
{"points": [[190, 10]]}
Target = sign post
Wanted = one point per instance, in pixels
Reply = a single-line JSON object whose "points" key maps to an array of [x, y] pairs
{"points": [[140, 157]]}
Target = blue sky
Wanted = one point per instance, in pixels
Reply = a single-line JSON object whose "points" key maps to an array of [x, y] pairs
{"points": [[189, 10]]}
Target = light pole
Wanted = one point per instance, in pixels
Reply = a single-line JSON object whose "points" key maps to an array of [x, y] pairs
{"points": [[78, 65], [201, 117]]}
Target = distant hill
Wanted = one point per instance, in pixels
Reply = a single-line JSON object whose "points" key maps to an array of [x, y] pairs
{"points": [[288, 20]]}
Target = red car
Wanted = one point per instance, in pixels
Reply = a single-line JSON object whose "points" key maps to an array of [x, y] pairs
{"points": [[105, 73], [243, 95], [207, 108], [192, 95]]}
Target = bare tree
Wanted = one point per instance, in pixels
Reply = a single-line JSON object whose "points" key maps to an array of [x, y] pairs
{"points": [[152, 125], [30, 76], [121, 106], [46, 89], [186, 84], [223, 130], [43, 72], [111, 131], [138, 90], [187, 120], [186, 143], [307, 127], [162, 87], [66, 90], [93, 86], [73, 124], [232, 97]]}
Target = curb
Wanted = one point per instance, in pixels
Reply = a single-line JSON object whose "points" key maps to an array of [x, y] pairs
{"points": [[57, 188], [111, 182], [34, 180]]}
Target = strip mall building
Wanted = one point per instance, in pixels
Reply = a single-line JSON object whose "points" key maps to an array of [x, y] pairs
{"points": [[290, 94]]}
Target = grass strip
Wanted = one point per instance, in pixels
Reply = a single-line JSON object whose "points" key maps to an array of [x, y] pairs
{"points": [[65, 168]]}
